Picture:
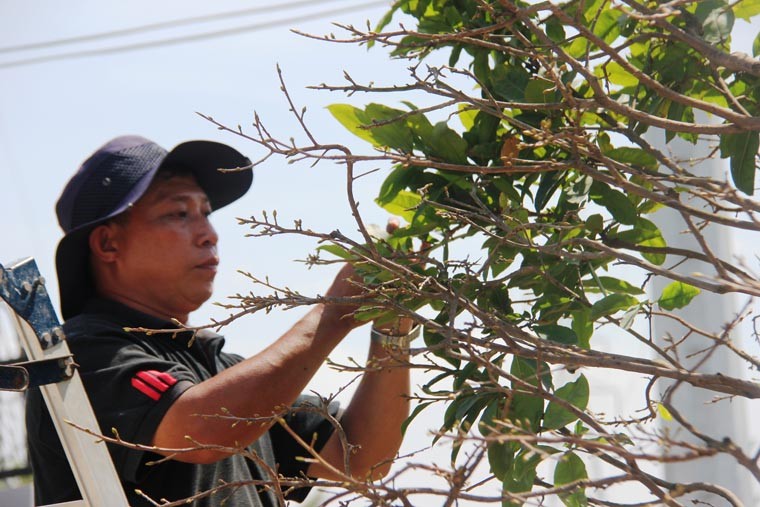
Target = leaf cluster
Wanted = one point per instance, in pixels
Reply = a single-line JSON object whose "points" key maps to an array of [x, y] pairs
{"points": [[540, 160]]}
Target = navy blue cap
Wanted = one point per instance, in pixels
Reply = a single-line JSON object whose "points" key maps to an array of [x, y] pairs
{"points": [[114, 178]]}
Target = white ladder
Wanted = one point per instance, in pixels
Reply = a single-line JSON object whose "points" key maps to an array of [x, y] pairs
{"points": [[51, 366]]}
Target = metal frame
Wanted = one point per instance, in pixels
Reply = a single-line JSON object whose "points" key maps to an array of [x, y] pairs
{"points": [[42, 339], [20, 376]]}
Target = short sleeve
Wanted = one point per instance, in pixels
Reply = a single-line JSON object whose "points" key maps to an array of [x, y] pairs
{"points": [[311, 427], [130, 389]]}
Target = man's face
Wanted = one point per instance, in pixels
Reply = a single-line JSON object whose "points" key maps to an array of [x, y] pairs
{"points": [[167, 256]]}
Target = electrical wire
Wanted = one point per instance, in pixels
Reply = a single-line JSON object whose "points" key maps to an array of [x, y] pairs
{"points": [[157, 26], [190, 38]]}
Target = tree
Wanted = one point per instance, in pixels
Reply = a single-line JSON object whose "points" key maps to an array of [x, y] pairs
{"points": [[540, 178]]}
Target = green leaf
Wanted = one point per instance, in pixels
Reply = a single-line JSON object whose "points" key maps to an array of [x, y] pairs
{"points": [[366, 314], [612, 304], [447, 144], [717, 20], [591, 8], [525, 408], [421, 131], [583, 326], [419, 408], [395, 135], [509, 82], [570, 468], [467, 116], [679, 112], [550, 181], [746, 9], [656, 240], [555, 30], [580, 428], [577, 394], [645, 233], [395, 182], [525, 369], [578, 47], [540, 91], [603, 141], [353, 119], [523, 473], [616, 202], [607, 26], [555, 333], [526, 411], [664, 412], [456, 52], [756, 46], [522, 476], [742, 148], [612, 285], [404, 204], [459, 408], [501, 456], [491, 412], [433, 339], [464, 374], [595, 223], [428, 387], [337, 251], [616, 74], [633, 156], [677, 295]]}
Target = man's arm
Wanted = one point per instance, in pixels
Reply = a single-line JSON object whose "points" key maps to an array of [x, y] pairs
{"points": [[372, 421], [258, 386]]}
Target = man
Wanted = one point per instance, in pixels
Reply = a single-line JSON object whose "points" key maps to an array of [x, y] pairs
{"points": [[139, 251]]}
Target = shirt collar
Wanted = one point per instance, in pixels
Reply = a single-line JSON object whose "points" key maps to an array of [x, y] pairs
{"points": [[127, 316]]}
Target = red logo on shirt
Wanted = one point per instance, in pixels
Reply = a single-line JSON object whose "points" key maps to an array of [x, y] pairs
{"points": [[153, 383]]}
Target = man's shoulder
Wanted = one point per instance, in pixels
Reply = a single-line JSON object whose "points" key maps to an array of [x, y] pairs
{"points": [[100, 335], [92, 324], [103, 316]]}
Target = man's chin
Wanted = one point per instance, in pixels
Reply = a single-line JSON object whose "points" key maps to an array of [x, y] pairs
{"points": [[202, 296]]}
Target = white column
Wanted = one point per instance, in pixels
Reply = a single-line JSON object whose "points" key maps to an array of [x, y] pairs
{"points": [[710, 312]]}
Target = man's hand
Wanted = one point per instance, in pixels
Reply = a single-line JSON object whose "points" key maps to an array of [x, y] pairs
{"points": [[346, 284], [401, 325]]}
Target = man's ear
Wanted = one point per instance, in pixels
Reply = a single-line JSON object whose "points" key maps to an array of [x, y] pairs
{"points": [[104, 242]]}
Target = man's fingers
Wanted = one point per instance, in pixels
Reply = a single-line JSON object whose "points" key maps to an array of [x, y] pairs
{"points": [[421, 256], [392, 225]]}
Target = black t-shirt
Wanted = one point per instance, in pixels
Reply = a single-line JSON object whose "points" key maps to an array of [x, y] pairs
{"points": [[132, 379]]}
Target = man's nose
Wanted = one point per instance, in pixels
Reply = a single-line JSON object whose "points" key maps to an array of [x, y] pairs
{"points": [[206, 234]]}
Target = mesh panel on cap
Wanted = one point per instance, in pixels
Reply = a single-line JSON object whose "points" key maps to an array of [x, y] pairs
{"points": [[107, 187]]}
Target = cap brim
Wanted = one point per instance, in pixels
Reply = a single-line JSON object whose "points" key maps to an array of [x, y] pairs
{"points": [[204, 159], [221, 171]]}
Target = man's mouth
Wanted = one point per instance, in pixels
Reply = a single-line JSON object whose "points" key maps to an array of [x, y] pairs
{"points": [[210, 264]]}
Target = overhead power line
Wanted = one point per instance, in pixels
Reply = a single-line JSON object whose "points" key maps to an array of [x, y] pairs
{"points": [[179, 39], [206, 18]]}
